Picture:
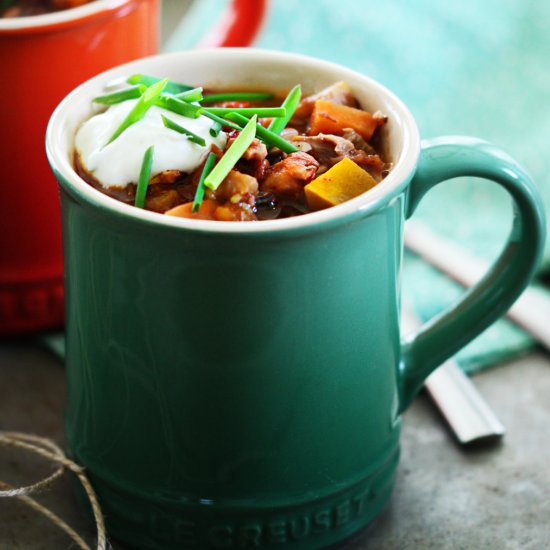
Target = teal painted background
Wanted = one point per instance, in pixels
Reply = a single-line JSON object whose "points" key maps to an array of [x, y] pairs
{"points": [[473, 67]]}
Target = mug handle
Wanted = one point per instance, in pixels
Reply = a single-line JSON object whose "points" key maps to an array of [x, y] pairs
{"points": [[230, 23], [441, 337], [238, 26]]}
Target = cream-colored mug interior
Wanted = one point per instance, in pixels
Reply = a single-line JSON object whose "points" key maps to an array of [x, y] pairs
{"points": [[250, 68]]}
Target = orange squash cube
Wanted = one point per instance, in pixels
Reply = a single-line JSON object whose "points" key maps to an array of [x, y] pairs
{"points": [[339, 184], [329, 118]]}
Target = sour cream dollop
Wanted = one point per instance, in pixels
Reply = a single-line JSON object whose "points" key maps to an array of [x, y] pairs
{"points": [[119, 163]]}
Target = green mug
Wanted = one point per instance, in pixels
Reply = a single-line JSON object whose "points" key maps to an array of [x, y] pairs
{"points": [[240, 385]]}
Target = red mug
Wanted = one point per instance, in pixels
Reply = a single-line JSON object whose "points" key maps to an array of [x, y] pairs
{"points": [[42, 58]]}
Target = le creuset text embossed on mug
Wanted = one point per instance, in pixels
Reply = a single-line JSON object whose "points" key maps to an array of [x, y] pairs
{"points": [[240, 385], [42, 58]]}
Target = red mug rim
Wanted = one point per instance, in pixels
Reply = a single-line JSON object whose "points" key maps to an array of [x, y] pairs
{"points": [[61, 19]]}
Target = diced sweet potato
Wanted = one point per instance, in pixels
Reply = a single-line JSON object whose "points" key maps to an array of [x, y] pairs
{"points": [[206, 211], [212, 210], [342, 182], [329, 118]]}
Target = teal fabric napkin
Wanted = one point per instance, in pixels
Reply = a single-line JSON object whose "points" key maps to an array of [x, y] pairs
{"points": [[429, 292]]}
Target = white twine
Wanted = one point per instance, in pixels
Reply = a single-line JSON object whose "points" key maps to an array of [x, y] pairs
{"points": [[48, 449]]}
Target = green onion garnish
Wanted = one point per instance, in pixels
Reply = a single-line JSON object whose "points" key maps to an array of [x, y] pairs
{"points": [[268, 137], [177, 128], [172, 87], [144, 177], [221, 120], [119, 96], [290, 104], [144, 103], [199, 194], [232, 155], [248, 111], [172, 103], [190, 95], [236, 96], [215, 129]]}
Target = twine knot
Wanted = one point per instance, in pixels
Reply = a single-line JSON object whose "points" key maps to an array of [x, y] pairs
{"points": [[48, 449]]}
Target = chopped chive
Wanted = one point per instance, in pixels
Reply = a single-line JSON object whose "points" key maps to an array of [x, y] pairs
{"points": [[144, 103], [268, 137], [221, 120], [290, 104], [171, 103], [199, 194], [232, 155], [190, 95], [177, 128], [171, 87], [235, 96], [119, 96], [249, 111], [144, 177], [215, 129]]}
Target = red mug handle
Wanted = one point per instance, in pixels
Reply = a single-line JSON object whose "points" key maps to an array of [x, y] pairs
{"points": [[238, 26]]}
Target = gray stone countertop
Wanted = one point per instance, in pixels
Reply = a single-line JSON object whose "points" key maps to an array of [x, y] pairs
{"points": [[446, 497]]}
